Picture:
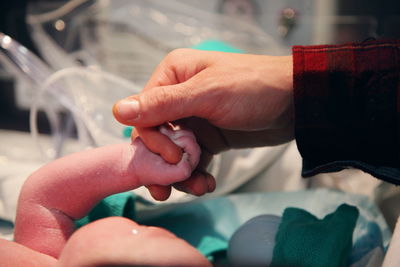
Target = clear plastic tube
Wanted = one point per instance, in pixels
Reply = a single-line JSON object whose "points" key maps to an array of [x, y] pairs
{"points": [[89, 133], [25, 65], [48, 85], [57, 13]]}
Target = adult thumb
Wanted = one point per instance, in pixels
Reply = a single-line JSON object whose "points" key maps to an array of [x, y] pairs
{"points": [[157, 105]]}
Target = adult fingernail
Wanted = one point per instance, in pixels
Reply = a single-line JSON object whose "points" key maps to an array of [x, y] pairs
{"points": [[127, 109]]}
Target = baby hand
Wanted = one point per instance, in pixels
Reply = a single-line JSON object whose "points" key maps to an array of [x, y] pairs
{"points": [[151, 169]]}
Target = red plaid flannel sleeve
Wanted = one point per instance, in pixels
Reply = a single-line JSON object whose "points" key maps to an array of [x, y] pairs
{"points": [[347, 107]]}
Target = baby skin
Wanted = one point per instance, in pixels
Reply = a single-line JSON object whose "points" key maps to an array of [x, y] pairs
{"points": [[68, 188]]}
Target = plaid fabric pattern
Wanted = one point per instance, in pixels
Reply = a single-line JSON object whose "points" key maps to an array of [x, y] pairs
{"points": [[347, 107]]}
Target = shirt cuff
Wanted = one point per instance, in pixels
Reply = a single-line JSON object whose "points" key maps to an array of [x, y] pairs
{"points": [[346, 111]]}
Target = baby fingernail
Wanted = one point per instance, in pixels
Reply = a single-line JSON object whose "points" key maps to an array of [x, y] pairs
{"points": [[128, 109]]}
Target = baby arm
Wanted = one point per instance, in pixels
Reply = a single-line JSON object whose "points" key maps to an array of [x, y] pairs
{"points": [[68, 188]]}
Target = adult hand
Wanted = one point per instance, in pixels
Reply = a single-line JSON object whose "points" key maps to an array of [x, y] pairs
{"points": [[228, 100]]}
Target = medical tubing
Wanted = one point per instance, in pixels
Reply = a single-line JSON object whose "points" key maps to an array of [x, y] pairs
{"points": [[80, 117], [27, 67], [55, 14], [65, 101]]}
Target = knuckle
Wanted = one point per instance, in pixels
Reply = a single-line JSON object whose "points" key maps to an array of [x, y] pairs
{"points": [[164, 96], [154, 101], [167, 98], [177, 53]]}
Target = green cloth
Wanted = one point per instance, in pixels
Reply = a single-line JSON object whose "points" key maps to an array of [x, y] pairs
{"points": [[209, 224], [209, 245], [127, 131], [215, 45], [122, 204], [303, 240]]}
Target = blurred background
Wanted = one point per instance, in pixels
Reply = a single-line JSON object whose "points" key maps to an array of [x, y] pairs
{"points": [[286, 22], [64, 63]]}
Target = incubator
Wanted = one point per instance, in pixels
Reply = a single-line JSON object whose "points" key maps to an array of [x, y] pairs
{"points": [[97, 52], [98, 45]]}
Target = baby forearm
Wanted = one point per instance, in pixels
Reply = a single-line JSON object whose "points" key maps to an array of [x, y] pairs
{"points": [[65, 190], [73, 184], [68, 188]]}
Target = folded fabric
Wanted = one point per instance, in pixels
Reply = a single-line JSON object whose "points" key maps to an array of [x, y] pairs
{"points": [[209, 224], [304, 240], [371, 239], [373, 258]]}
